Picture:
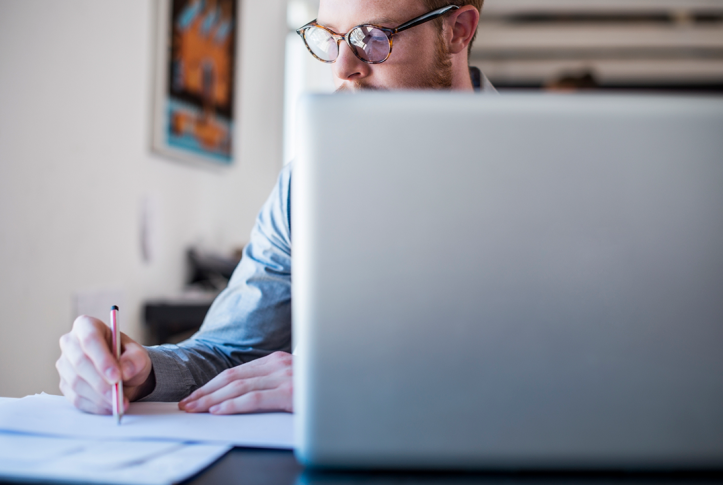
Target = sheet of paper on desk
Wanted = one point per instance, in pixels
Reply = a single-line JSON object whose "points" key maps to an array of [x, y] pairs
{"points": [[31, 457], [54, 415]]}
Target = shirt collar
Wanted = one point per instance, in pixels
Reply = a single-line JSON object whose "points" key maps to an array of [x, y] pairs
{"points": [[480, 81]]}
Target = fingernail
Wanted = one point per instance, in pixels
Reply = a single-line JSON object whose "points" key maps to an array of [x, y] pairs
{"points": [[190, 406], [112, 374], [215, 409], [127, 369]]}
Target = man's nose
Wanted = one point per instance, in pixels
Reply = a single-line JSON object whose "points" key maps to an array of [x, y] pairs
{"points": [[349, 67]]}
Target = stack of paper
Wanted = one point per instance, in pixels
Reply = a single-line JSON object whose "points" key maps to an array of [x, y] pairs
{"points": [[76, 460], [44, 437]]}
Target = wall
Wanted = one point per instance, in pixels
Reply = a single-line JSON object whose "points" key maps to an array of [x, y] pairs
{"points": [[304, 73], [75, 168]]}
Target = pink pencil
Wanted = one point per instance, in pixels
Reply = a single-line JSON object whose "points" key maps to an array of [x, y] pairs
{"points": [[118, 386]]}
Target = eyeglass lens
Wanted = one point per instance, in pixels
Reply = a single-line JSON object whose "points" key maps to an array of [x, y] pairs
{"points": [[321, 43], [367, 42]]}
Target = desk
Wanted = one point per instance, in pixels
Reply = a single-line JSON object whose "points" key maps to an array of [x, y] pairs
{"points": [[250, 466], [247, 466], [273, 467]]}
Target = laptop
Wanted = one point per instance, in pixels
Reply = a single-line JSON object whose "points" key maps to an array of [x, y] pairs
{"points": [[515, 282]]}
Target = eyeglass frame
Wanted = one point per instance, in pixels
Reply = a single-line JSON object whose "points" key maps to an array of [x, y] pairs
{"points": [[390, 33]]}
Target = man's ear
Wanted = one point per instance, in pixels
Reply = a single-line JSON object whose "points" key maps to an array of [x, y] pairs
{"points": [[463, 23]]}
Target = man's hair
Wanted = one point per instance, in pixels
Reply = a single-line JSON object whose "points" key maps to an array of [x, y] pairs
{"points": [[435, 4]]}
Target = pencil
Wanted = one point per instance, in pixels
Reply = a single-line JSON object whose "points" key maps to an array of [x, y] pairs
{"points": [[118, 386]]}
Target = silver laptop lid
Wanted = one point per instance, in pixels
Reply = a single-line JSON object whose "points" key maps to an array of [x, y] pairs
{"points": [[524, 281]]}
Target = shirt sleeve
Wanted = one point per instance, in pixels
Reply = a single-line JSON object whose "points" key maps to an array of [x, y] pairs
{"points": [[250, 319]]}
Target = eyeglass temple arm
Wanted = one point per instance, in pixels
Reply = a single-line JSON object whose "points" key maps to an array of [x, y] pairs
{"points": [[426, 17]]}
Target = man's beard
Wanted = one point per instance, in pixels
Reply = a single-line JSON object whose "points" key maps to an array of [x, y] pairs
{"points": [[439, 75]]}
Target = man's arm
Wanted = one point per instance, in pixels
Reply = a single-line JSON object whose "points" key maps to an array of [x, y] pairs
{"points": [[250, 319]]}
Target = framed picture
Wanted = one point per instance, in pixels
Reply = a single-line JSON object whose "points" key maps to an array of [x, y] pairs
{"points": [[193, 117]]}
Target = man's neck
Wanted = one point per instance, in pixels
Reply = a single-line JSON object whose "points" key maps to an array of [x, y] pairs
{"points": [[460, 75]]}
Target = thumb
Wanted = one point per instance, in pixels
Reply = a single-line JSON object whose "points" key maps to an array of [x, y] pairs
{"points": [[134, 362]]}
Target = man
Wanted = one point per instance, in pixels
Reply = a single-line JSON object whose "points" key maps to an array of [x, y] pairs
{"points": [[239, 361]]}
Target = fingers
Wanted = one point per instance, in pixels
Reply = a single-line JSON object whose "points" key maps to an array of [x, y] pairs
{"points": [[278, 399], [94, 339], [87, 368], [256, 368], [87, 406], [76, 393], [135, 363], [75, 365], [232, 390], [247, 387], [219, 382]]}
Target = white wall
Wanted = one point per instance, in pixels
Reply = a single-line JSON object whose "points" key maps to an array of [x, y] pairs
{"points": [[304, 74], [75, 167]]}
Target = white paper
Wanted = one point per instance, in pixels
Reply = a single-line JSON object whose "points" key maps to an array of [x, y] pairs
{"points": [[54, 415], [75, 460], [20, 448]]}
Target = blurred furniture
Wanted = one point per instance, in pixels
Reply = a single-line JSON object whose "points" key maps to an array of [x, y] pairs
{"points": [[625, 44], [170, 320], [175, 318]]}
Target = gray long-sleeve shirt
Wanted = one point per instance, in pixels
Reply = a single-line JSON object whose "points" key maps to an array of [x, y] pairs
{"points": [[251, 318]]}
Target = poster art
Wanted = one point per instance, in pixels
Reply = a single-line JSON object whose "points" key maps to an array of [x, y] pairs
{"points": [[193, 114]]}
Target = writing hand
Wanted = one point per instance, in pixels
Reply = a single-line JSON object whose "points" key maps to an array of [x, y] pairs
{"points": [[88, 369], [265, 384]]}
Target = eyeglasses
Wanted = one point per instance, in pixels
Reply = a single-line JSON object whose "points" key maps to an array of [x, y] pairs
{"points": [[369, 43]]}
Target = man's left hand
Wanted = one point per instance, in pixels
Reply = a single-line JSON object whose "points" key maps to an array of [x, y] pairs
{"points": [[265, 384]]}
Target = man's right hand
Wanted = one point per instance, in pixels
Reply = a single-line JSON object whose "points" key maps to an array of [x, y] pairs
{"points": [[88, 369]]}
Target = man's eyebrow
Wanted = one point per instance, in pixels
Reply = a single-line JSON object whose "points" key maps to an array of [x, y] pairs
{"points": [[383, 20]]}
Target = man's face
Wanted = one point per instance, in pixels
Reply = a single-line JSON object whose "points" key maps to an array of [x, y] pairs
{"points": [[418, 60]]}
